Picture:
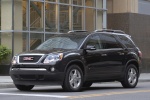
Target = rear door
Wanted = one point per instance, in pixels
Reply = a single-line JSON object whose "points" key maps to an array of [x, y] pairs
{"points": [[112, 56]]}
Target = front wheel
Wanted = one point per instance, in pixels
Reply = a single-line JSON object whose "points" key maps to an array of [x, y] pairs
{"points": [[74, 79], [24, 87], [131, 77]]}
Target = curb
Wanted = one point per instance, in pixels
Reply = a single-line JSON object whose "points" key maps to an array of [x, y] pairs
{"points": [[6, 85], [11, 85], [144, 80]]}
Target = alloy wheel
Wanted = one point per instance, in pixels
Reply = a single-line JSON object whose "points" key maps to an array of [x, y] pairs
{"points": [[132, 76], [75, 78]]}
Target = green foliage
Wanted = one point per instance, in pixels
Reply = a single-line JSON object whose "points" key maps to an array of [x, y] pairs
{"points": [[4, 53]]}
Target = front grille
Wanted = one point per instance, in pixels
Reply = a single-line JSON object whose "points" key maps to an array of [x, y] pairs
{"points": [[29, 58]]}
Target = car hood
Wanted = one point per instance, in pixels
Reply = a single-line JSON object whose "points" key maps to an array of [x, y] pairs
{"points": [[46, 51]]}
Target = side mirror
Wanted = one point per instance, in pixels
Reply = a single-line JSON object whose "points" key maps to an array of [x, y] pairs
{"points": [[90, 47]]}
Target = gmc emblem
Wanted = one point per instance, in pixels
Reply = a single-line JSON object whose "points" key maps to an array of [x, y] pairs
{"points": [[28, 58]]}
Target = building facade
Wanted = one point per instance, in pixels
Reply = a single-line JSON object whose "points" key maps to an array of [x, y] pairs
{"points": [[133, 17], [27, 23]]}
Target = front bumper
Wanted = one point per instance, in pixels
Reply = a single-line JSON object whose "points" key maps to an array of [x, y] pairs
{"points": [[36, 76]]}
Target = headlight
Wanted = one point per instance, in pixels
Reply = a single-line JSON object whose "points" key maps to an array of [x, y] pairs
{"points": [[53, 58], [14, 60]]}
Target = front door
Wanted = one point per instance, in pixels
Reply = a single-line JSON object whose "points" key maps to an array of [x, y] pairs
{"points": [[93, 57]]}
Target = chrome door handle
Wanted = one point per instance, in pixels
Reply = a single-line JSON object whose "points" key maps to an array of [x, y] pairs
{"points": [[120, 53], [103, 55]]}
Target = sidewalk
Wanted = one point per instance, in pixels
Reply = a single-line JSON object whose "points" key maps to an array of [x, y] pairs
{"points": [[6, 81]]}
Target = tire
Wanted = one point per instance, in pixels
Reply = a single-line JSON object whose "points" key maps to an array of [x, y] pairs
{"points": [[73, 79], [130, 79], [24, 87], [87, 84]]}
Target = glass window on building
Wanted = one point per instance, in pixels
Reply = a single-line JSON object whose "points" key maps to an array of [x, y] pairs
{"points": [[6, 15], [0, 22], [25, 39], [51, 0], [35, 40], [48, 35], [64, 18], [19, 42], [6, 23], [0, 14], [50, 18], [64, 1], [90, 3], [24, 15], [36, 16], [77, 2], [99, 19], [77, 18], [90, 19], [99, 4]]}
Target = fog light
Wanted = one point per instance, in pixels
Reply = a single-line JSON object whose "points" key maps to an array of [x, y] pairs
{"points": [[52, 69]]}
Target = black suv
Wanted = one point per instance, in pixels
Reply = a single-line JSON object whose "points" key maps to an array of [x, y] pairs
{"points": [[78, 59]]}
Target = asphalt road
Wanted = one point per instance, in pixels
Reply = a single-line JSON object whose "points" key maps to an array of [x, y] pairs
{"points": [[103, 91]]}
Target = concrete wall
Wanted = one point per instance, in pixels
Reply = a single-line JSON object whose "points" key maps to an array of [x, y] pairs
{"points": [[138, 26], [122, 6]]}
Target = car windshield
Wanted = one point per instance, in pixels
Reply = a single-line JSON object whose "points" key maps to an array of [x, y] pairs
{"points": [[62, 42]]}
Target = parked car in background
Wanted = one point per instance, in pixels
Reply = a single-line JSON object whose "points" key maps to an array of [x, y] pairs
{"points": [[78, 59]]}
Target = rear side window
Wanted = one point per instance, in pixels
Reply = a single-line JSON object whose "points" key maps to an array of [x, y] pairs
{"points": [[126, 41], [109, 42]]}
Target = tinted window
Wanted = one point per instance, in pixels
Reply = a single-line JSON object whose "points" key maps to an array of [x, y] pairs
{"points": [[94, 41], [109, 41], [126, 41]]}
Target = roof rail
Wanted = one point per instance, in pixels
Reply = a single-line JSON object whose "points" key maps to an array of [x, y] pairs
{"points": [[109, 30], [77, 31]]}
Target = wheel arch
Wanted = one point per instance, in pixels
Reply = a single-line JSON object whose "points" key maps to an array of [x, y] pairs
{"points": [[76, 62], [134, 62]]}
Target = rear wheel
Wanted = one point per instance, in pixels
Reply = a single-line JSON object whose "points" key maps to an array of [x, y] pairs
{"points": [[24, 87], [131, 77], [73, 79]]}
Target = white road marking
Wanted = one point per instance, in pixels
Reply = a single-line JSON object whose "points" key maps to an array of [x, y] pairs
{"points": [[34, 95]]}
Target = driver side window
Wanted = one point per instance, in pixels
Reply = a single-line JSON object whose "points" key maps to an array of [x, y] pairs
{"points": [[94, 41]]}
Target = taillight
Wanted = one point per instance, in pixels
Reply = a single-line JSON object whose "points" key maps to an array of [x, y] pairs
{"points": [[140, 54]]}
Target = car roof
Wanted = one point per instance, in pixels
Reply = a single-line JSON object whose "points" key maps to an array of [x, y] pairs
{"points": [[86, 33]]}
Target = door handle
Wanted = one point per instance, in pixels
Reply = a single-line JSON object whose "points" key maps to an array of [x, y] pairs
{"points": [[103, 55], [121, 53]]}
